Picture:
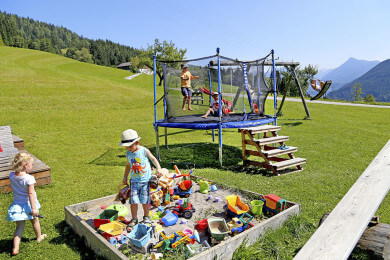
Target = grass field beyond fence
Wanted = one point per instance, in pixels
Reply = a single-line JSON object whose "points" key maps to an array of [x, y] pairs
{"points": [[71, 116]]}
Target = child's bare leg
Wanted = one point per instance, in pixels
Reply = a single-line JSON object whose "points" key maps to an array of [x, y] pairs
{"points": [[146, 209], [184, 103], [322, 83], [134, 211], [207, 113], [18, 236], [189, 103], [37, 229]]}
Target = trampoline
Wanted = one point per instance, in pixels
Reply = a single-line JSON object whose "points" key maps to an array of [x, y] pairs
{"points": [[243, 91]]}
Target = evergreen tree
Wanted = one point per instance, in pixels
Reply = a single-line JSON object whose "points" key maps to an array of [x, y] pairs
{"points": [[27, 33], [1, 41]]}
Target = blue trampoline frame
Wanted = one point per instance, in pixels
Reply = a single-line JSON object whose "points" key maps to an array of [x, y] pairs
{"points": [[204, 126]]}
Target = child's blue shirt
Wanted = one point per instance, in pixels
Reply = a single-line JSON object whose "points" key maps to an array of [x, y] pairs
{"points": [[140, 170]]}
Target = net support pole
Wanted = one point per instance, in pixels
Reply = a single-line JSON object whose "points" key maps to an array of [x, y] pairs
{"points": [[165, 105], [274, 84], [211, 91], [220, 109], [155, 109], [247, 87]]}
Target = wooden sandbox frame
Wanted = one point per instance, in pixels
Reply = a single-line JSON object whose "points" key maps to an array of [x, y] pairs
{"points": [[224, 250]]}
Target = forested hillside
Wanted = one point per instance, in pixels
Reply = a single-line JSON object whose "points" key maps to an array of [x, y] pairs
{"points": [[375, 82], [22, 32]]}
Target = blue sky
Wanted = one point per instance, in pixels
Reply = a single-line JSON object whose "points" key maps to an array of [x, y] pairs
{"points": [[323, 33]]}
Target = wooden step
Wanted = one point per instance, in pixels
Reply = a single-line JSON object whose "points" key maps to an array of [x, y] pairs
{"points": [[288, 163], [277, 151], [271, 140], [18, 142], [261, 129]]}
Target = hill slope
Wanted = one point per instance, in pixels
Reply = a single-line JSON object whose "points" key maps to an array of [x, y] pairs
{"points": [[71, 114], [375, 82], [348, 71]]}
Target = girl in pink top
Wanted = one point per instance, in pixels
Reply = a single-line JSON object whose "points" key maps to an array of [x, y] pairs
{"points": [[25, 205]]}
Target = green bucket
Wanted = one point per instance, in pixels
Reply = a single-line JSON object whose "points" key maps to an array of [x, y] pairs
{"points": [[256, 206]]}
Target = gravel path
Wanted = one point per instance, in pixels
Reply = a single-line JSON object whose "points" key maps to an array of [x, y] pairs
{"points": [[331, 103]]}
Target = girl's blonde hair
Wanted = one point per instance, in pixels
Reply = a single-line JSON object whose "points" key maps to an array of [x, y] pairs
{"points": [[19, 161]]}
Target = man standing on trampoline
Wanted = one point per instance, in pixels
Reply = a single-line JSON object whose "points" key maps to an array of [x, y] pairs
{"points": [[185, 78]]}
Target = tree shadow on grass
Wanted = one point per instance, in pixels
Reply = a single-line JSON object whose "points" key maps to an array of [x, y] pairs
{"points": [[73, 241], [190, 155], [291, 124], [251, 170]]}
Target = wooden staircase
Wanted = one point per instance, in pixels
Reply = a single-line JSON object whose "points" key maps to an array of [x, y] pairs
{"points": [[270, 154]]}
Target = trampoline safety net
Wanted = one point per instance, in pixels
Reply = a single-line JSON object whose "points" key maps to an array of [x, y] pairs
{"points": [[243, 86]]}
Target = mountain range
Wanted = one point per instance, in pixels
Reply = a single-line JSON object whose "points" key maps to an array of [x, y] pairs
{"points": [[348, 71], [345, 73], [376, 82]]}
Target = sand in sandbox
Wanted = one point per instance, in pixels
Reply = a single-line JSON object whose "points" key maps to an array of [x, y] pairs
{"points": [[204, 209]]}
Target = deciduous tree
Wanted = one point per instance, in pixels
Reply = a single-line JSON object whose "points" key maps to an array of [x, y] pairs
{"points": [[164, 51], [357, 92]]}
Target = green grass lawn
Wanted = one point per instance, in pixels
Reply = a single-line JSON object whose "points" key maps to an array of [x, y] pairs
{"points": [[71, 116]]}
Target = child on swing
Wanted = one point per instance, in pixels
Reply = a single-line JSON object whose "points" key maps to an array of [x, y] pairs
{"points": [[315, 86], [25, 205]]}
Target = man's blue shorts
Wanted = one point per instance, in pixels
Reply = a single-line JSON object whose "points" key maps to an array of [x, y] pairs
{"points": [[139, 193], [186, 91]]}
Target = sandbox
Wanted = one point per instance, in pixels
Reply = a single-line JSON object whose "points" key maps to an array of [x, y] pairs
{"points": [[82, 224]]}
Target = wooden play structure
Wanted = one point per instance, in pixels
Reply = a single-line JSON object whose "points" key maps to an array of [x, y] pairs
{"points": [[340, 232], [264, 149], [9, 146]]}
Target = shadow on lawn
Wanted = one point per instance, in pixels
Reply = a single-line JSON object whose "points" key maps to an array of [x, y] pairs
{"points": [[187, 156], [73, 241], [7, 244], [252, 170]]}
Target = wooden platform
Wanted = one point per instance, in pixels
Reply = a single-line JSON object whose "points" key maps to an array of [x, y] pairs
{"points": [[11, 145], [40, 171], [339, 233]]}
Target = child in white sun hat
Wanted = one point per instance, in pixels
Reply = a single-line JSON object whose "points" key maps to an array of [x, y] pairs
{"points": [[138, 167]]}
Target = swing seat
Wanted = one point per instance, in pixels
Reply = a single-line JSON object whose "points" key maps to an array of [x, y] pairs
{"points": [[323, 90]]}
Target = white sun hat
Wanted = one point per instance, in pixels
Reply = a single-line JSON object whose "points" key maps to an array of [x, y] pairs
{"points": [[129, 137]]}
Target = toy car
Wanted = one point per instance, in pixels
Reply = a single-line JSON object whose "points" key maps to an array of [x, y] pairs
{"points": [[184, 210], [114, 232], [237, 225], [273, 204], [183, 189], [143, 237]]}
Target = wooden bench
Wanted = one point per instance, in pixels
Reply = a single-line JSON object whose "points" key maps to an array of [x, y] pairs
{"points": [[40, 170], [340, 232], [197, 96]]}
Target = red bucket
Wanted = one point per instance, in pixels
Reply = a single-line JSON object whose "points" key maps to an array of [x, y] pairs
{"points": [[202, 224]]}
